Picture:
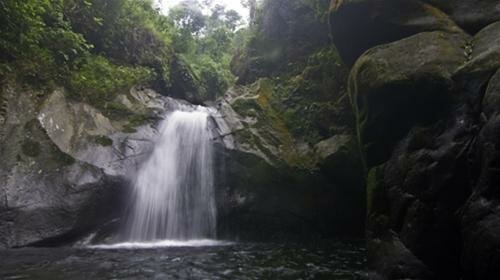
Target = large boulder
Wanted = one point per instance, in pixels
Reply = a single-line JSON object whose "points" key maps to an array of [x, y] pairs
{"points": [[480, 219], [65, 166], [396, 86], [431, 139], [438, 191], [259, 201], [85, 134], [471, 15], [394, 261], [491, 100], [357, 26], [420, 190], [484, 55]]}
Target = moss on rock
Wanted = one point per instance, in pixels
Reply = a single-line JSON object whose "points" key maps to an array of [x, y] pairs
{"points": [[103, 140], [396, 86], [484, 58], [358, 25], [491, 100], [31, 148]]}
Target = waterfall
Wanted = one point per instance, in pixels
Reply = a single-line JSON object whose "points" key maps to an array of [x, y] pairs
{"points": [[173, 196]]}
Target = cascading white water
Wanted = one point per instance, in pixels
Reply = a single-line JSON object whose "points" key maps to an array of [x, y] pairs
{"points": [[173, 195]]}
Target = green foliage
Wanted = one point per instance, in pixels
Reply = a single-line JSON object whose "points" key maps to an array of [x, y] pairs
{"points": [[100, 48], [311, 96], [320, 7], [206, 42], [36, 41], [135, 121], [97, 81], [103, 140], [126, 31], [215, 76]]}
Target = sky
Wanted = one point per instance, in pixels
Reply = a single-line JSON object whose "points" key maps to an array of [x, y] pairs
{"points": [[229, 4]]}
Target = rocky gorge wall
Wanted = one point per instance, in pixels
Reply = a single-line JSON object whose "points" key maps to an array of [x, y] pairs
{"points": [[300, 172], [423, 82], [65, 165], [341, 108], [288, 162]]}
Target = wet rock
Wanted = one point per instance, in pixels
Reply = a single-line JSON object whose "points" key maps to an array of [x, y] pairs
{"points": [[491, 101], [420, 190], [277, 186], [65, 166], [430, 138], [480, 219], [471, 15], [394, 261], [403, 84], [259, 201], [357, 26], [481, 234], [484, 58], [82, 132], [332, 146]]}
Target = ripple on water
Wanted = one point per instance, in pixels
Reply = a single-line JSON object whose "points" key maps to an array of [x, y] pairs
{"points": [[332, 261]]}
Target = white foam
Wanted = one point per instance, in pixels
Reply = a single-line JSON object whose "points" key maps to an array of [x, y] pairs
{"points": [[164, 244]]}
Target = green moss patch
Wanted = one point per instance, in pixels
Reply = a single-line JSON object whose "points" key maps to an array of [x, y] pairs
{"points": [[103, 141], [31, 148]]}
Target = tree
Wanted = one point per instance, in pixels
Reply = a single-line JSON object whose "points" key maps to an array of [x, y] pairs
{"points": [[233, 19], [188, 16], [251, 5]]}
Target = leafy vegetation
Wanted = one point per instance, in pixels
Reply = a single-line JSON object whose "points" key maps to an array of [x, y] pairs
{"points": [[97, 80], [37, 43], [100, 48], [206, 42]]}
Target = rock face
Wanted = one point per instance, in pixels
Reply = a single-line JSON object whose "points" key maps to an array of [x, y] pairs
{"points": [[357, 26], [484, 57], [294, 167], [403, 84], [277, 187], [65, 166], [426, 113], [471, 15]]}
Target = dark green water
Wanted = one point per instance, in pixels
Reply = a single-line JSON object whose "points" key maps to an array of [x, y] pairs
{"points": [[328, 260]]}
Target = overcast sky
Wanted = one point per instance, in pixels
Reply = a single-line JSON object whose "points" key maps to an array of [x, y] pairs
{"points": [[230, 4]]}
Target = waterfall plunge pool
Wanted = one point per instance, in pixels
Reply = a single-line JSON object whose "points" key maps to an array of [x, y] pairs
{"points": [[332, 260], [174, 201]]}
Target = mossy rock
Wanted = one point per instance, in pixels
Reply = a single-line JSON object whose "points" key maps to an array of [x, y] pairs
{"points": [[116, 110], [483, 54], [396, 86], [135, 121], [358, 25], [63, 158], [103, 140], [491, 101], [31, 148], [374, 192], [471, 15]]}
